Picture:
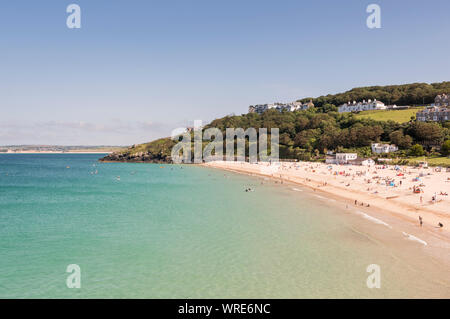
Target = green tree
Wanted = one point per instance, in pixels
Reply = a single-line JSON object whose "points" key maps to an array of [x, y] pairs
{"points": [[301, 123], [405, 94], [402, 141], [285, 139], [445, 148], [426, 132], [329, 108], [307, 139], [416, 150]]}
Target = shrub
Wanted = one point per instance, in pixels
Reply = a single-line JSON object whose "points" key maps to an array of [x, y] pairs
{"points": [[445, 148], [416, 150]]}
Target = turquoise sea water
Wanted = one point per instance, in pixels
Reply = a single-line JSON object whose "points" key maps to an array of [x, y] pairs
{"points": [[188, 232]]}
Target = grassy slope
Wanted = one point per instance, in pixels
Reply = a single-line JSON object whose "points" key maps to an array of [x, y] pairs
{"points": [[399, 116], [434, 161], [162, 146]]}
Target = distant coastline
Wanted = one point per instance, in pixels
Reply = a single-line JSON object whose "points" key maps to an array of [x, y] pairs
{"points": [[48, 152], [59, 149]]}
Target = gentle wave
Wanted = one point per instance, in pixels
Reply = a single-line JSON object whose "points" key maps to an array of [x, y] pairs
{"points": [[373, 219], [414, 238], [297, 190]]}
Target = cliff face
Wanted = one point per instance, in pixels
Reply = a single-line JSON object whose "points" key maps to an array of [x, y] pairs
{"points": [[158, 151]]}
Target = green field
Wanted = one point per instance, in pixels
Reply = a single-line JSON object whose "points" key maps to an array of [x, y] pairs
{"points": [[432, 161], [400, 116]]}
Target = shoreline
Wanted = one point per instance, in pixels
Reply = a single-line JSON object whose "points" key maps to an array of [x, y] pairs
{"points": [[406, 215]]}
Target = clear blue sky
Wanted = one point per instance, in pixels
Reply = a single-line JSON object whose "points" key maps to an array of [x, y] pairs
{"points": [[138, 69]]}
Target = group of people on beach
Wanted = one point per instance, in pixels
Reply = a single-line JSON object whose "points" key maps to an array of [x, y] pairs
{"points": [[361, 204], [377, 182]]}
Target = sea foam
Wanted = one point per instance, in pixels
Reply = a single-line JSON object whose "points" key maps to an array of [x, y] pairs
{"points": [[414, 238], [373, 219]]}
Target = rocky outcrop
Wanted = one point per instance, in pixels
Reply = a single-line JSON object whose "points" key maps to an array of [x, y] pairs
{"points": [[157, 151], [140, 157]]}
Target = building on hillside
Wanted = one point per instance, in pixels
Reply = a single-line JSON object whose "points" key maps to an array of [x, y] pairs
{"points": [[290, 107], [434, 114], [442, 100], [330, 159], [361, 106], [308, 105], [379, 148], [260, 108], [392, 107], [345, 157], [397, 107], [340, 158]]}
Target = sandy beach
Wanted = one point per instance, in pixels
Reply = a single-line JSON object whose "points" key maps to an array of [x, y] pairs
{"points": [[387, 190]]}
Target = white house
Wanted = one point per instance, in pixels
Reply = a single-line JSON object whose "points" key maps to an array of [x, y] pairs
{"points": [[361, 106], [290, 107], [341, 158], [378, 148]]}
